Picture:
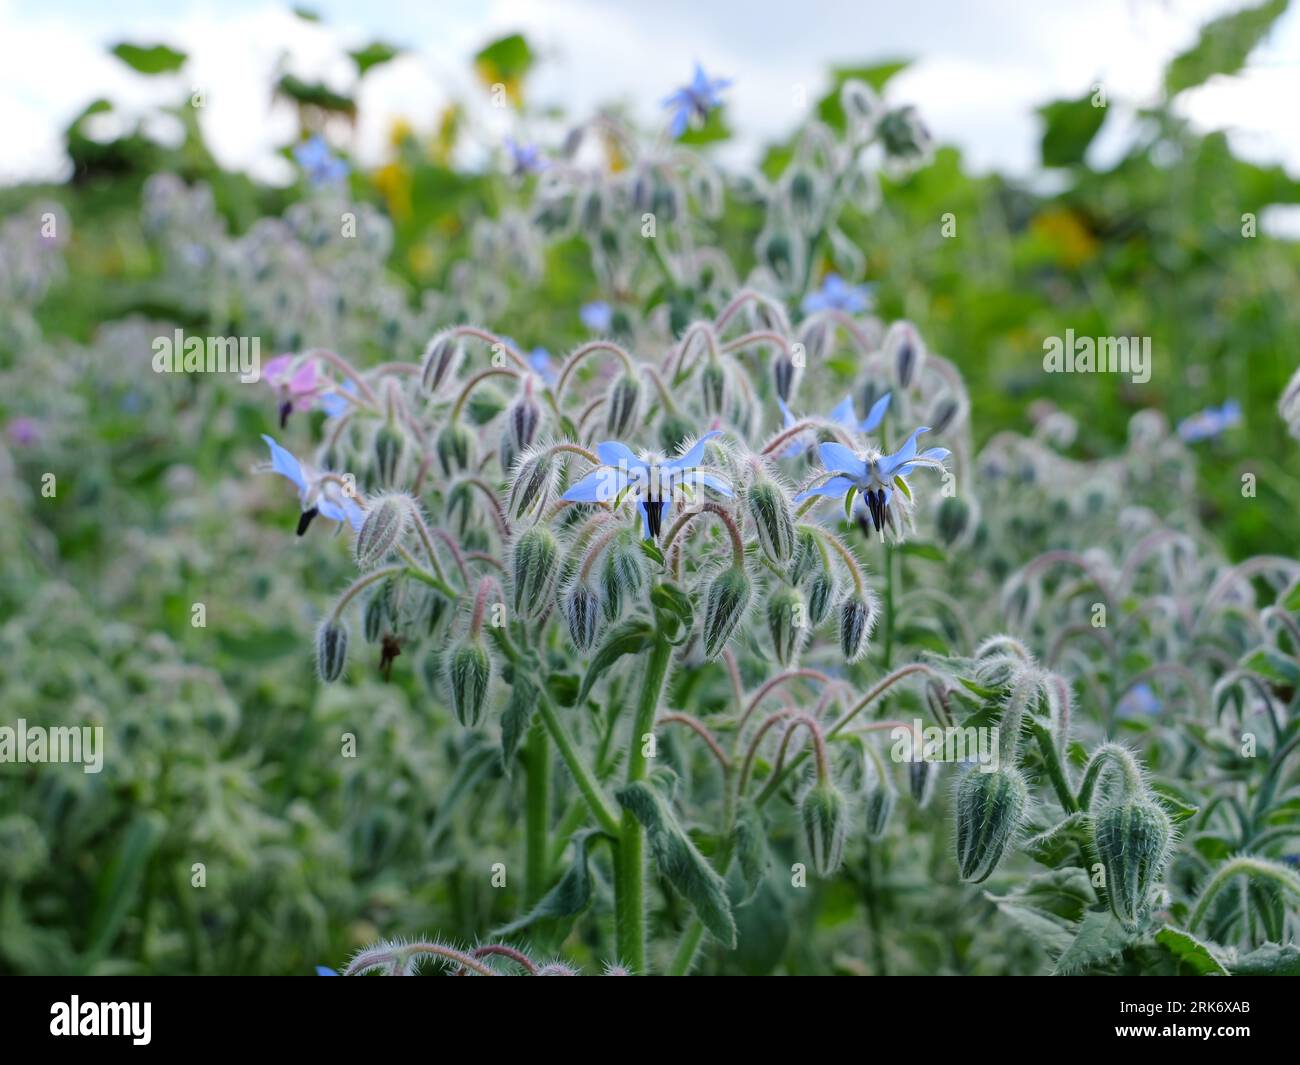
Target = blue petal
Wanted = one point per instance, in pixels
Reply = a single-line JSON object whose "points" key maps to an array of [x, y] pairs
{"points": [[877, 413], [599, 486], [887, 464], [835, 488], [845, 414], [717, 484], [693, 457], [284, 463], [840, 459], [325, 970], [680, 121], [787, 415], [612, 453]]}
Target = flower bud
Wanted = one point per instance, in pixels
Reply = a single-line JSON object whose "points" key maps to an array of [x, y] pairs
{"points": [[803, 196], [943, 414], [713, 387], [807, 559], [331, 649], [785, 374], [907, 352], [582, 612], [1132, 841], [728, 596], [531, 485], [621, 404], [787, 622], [673, 429], [824, 816], [920, 780], [879, 802], [484, 404], [382, 530], [857, 619], [455, 445], [535, 562], [821, 593], [375, 617], [860, 102], [621, 578], [522, 420], [468, 676], [389, 445], [770, 511], [435, 610], [989, 810], [953, 518], [441, 359], [778, 253]]}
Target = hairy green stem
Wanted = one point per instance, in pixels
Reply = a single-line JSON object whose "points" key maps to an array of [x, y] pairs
{"points": [[537, 807]]}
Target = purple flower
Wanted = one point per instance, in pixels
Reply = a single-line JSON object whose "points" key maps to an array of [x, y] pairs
{"points": [[872, 473], [844, 415], [651, 481], [1209, 423], [23, 431], [597, 316], [318, 493], [836, 294], [525, 158], [321, 165], [695, 101]]}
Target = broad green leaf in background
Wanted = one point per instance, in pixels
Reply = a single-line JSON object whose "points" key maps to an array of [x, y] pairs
{"points": [[505, 62], [374, 54], [151, 59], [1223, 46], [1069, 126], [570, 895]]}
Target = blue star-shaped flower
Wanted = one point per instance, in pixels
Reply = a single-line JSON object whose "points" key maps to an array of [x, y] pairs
{"points": [[844, 415], [651, 481], [317, 496], [1209, 423], [695, 101], [321, 165], [525, 158], [836, 294], [597, 316]]}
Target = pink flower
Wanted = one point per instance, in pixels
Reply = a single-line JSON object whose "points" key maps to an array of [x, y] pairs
{"points": [[23, 431], [296, 389]]}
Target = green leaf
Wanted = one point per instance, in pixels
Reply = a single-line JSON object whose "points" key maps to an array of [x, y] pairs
{"points": [[153, 59], [673, 610], [1272, 959], [1060, 843], [563, 688], [750, 840], [115, 893], [1100, 938], [1174, 801], [627, 638], [927, 551], [373, 54], [715, 129], [651, 551], [829, 108], [571, 894], [1291, 600], [517, 716], [505, 62], [1191, 952], [1068, 128], [1273, 666], [679, 860], [1223, 46]]}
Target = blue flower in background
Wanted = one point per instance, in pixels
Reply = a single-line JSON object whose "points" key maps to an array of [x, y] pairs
{"points": [[597, 316], [325, 970], [695, 101], [836, 294], [540, 360], [321, 165], [1139, 701], [316, 495], [871, 473], [844, 415], [654, 484], [333, 404], [525, 158], [1209, 423]]}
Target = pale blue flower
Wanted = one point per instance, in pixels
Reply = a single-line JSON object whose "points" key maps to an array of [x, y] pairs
{"points": [[325, 970], [695, 101], [843, 414], [525, 158], [333, 404], [836, 294], [872, 473], [653, 482], [1209, 423], [542, 363], [321, 165], [316, 495], [597, 316], [1139, 701]]}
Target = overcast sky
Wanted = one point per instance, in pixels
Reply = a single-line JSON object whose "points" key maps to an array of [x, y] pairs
{"points": [[980, 68]]}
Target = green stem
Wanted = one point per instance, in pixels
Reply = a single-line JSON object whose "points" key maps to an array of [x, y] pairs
{"points": [[1055, 771], [1250, 866], [630, 887], [537, 805]]}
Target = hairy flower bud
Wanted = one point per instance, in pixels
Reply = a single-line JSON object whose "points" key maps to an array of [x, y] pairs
{"points": [[770, 511], [713, 387], [857, 619], [522, 420], [673, 429], [455, 446], [907, 352], [778, 253], [824, 815], [484, 404], [622, 404], [725, 604], [385, 525], [860, 102], [821, 593], [943, 414], [331, 648], [621, 577], [389, 446], [807, 558], [787, 622], [1132, 840], [535, 563], [953, 519], [785, 373], [989, 810], [531, 485], [441, 359], [879, 802], [468, 675], [920, 780], [582, 612], [375, 617]]}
